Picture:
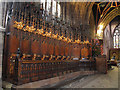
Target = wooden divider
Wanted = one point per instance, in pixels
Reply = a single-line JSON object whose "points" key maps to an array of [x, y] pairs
{"points": [[30, 70]]}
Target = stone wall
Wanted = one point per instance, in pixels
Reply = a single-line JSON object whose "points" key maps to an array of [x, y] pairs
{"points": [[2, 28], [107, 41], [108, 36], [1, 42]]}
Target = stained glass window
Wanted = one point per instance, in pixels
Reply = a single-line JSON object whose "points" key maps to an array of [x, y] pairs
{"points": [[116, 38]]}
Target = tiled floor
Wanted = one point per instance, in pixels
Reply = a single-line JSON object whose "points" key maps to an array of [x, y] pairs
{"points": [[109, 80]]}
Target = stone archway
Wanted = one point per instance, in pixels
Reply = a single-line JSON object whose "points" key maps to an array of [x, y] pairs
{"points": [[105, 21]]}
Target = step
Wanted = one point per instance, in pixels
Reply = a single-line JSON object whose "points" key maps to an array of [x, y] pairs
{"points": [[52, 82]]}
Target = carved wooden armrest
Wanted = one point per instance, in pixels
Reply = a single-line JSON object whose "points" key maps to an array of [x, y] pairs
{"points": [[46, 56], [23, 56], [28, 55], [57, 57], [51, 56], [68, 57], [38, 55], [34, 57], [13, 55], [63, 57], [71, 58], [12, 58], [43, 57]]}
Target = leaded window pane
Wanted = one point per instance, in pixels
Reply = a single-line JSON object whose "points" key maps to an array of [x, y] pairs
{"points": [[116, 38]]}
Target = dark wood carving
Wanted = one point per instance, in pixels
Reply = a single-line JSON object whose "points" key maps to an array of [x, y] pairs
{"points": [[13, 44], [25, 46], [35, 47], [70, 49], [42, 57], [62, 46], [32, 50], [85, 51], [43, 46], [76, 51], [57, 49], [66, 49], [51, 47]]}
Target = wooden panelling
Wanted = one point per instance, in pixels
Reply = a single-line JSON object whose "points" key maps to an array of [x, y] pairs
{"points": [[43, 46], [101, 64], [35, 47], [13, 44], [66, 49], [40, 43], [57, 47], [62, 48], [76, 51], [70, 49], [25, 46], [51, 47], [84, 52], [90, 50]]}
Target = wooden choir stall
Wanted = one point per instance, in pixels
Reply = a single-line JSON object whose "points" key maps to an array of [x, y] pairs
{"points": [[33, 52]]}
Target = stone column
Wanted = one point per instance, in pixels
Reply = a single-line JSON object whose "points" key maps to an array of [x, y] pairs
{"points": [[1, 40], [2, 29], [1, 51]]}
